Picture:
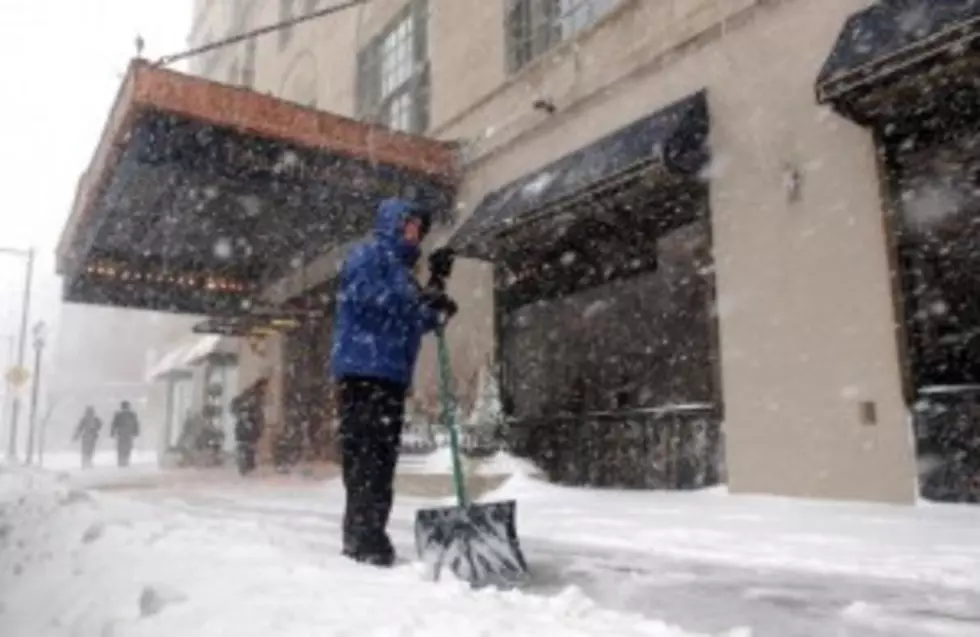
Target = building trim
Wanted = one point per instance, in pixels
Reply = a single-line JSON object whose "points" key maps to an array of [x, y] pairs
{"points": [[578, 100]]}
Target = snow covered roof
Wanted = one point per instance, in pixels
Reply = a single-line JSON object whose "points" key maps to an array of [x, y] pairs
{"points": [[187, 354], [883, 45], [200, 194]]}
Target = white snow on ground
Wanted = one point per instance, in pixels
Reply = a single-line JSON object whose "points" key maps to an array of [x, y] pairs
{"points": [[105, 459], [81, 564], [438, 462], [217, 555], [505, 464], [928, 543]]}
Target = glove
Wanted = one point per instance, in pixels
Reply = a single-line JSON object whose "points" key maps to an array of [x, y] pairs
{"points": [[441, 264], [438, 301]]}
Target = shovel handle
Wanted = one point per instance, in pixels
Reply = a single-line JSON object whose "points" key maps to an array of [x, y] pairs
{"points": [[448, 404]]}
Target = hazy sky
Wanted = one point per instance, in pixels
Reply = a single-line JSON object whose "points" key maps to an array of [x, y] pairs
{"points": [[61, 63]]}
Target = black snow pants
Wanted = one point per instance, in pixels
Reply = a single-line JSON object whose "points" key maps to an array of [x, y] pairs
{"points": [[124, 449], [371, 416], [245, 457], [88, 451]]}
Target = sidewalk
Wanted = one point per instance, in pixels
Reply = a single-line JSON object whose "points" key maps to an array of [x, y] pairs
{"points": [[707, 561]]}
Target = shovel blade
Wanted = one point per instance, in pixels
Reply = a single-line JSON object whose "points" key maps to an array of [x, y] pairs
{"points": [[476, 543]]}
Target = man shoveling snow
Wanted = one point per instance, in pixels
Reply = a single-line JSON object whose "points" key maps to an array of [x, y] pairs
{"points": [[382, 314]]}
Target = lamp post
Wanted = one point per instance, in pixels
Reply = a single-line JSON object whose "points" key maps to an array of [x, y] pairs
{"points": [[7, 387], [38, 333], [21, 342]]}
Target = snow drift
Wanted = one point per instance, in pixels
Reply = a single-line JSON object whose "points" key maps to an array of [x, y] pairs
{"points": [[83, 564], [505, 464]]}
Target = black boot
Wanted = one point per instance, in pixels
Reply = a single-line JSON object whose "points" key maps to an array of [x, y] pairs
{"points": [[382, 559]]}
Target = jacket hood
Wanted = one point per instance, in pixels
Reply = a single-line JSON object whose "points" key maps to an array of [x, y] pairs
{"points": [[389, 224]]}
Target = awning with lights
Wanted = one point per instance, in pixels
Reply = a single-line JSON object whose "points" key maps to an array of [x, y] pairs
{"points": [[199, 194], [901, 58], [258, 324], [655, 159]]}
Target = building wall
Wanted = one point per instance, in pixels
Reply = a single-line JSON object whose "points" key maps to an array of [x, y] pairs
{"points": [[805, 307]]}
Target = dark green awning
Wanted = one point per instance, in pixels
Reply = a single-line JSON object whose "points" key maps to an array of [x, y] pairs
{"points": [[667, 146], [895, 44]]}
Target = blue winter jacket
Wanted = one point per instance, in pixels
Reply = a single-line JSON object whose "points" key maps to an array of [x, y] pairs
{"points": [[380, 318]]}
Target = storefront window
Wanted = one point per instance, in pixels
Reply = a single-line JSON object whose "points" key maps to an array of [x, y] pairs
{"points": [[641, 340]]}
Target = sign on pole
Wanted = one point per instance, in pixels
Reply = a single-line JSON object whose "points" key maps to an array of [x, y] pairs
{"points": [[17, 376]]}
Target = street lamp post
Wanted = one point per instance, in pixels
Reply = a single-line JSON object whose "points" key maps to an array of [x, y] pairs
{"points": [[21, 342], [7, 388], [38, 333]]}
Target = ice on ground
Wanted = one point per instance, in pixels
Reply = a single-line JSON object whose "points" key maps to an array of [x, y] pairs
{"points": [[505, 464], [158, 572]]}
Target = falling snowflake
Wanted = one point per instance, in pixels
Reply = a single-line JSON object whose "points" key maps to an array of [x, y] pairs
{"points": [[251, 205], [222, 248], [287, 161], [537, 185]]}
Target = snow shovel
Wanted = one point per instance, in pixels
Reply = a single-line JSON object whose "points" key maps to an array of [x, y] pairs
{"points": [[477, 542]]}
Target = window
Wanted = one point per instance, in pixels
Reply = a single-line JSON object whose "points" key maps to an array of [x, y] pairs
{"points": [[234, 73], [210, 60], [535, 26], [248, 67], [392, 74], [285, 14]]}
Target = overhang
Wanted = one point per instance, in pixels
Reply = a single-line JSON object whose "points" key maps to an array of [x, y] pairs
{"points": [[660, 155], [901, 58], [183, 357], [199, 195]]}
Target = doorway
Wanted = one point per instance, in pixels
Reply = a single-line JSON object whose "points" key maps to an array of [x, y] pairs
{"points": [[608, 346], [309, 404], [933, 169]]}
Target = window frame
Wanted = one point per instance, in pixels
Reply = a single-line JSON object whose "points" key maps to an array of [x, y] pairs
{"points": [[532, 28], [373, 103]]}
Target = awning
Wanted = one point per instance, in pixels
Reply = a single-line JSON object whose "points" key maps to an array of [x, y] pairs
{"points": [[665, 148], [895, 48], [181, 358], [207, 347], [199, 195], [171, 363]]}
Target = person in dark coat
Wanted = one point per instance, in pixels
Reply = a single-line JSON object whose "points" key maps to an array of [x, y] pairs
{"points": [[87, 432], [125, 429], [249, 423], [382, 314]]}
